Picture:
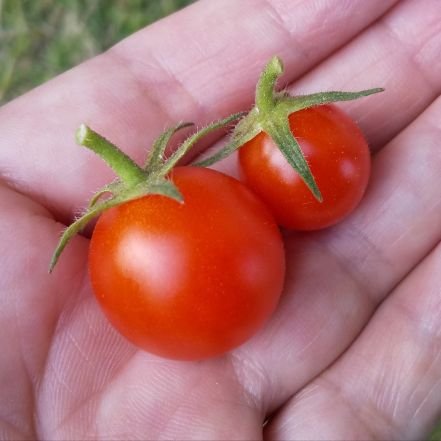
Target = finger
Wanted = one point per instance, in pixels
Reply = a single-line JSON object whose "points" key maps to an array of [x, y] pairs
{"points": [[387, 386], [186, 67], [30, 303], [400, 52], [336, 278]]}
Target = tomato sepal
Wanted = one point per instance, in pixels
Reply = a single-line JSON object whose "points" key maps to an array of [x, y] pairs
{"points": [[289, 104], [75, 227], [110, 189], [281, 134]]}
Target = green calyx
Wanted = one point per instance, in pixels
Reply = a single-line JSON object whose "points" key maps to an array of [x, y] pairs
{"points": [[270, 114], [132, 180]]}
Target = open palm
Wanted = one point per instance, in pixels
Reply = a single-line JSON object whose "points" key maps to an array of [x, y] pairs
{"points": [[353, 351]]}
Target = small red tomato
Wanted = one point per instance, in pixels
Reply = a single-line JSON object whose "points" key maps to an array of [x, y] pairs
{"points": [[193, 280], [339, 159]]}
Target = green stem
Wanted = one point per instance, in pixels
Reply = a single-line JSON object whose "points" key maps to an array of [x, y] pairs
{"points": [[247, 128], [265, 99], [122, 165], [189, 142]]}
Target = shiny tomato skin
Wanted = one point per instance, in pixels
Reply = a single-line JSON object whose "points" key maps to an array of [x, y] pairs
{"points": [[339, 159], [193, 280]]}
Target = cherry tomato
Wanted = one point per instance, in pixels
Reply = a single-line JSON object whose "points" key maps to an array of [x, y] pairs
{"points": [[191, 280], [339, 159]]}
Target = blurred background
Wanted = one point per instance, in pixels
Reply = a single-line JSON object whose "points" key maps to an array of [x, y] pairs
{"points": [[42, 38]]}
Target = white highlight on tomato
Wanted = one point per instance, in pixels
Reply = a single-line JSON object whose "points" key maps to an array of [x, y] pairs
{"points": [[159, 263], [347, 169]]}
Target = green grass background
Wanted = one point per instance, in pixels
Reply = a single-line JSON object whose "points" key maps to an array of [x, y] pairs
{"points": [[436, 435], [42, 38]]}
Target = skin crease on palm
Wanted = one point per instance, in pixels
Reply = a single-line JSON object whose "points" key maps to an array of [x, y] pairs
{"points": [[354, 349]]}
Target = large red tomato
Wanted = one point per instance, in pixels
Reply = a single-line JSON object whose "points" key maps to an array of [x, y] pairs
{"points": [[191, 280], [339, 159]]}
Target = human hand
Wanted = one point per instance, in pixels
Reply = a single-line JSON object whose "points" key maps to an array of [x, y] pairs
{"points": [[352, 352]]}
